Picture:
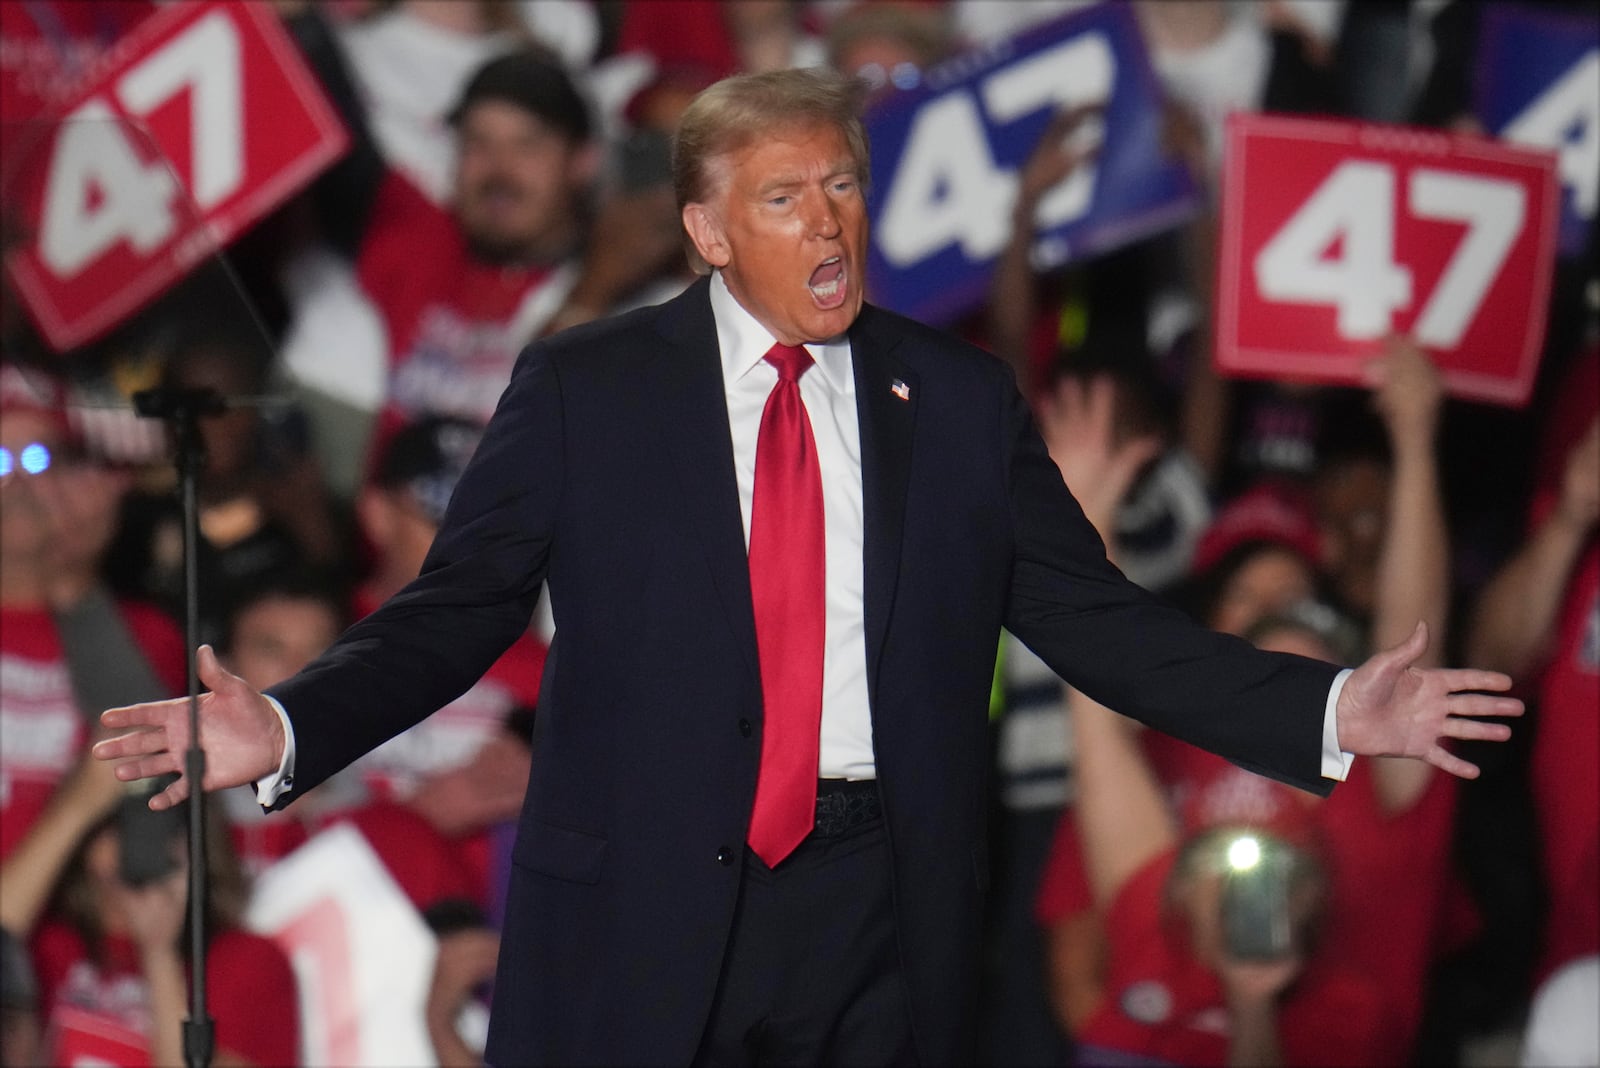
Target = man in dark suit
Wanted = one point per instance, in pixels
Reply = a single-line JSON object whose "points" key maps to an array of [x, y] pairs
{"points": [[738, 641]]}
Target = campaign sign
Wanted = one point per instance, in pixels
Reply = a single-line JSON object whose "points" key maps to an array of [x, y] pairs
{"points": [[200, 122], [946, 158], [1537, 82], [1335, 234], [362, 957]]}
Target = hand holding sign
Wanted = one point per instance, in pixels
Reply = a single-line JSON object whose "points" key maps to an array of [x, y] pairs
{"points": [[1073, 137], [1407, 392], [949, 162]]}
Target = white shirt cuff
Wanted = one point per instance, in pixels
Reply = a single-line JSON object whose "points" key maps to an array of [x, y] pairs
{"points": [[1335, 761], [274, 786]]}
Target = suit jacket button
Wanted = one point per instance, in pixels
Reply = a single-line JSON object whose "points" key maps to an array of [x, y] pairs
{"points": [[724, 856], [744, 728]]}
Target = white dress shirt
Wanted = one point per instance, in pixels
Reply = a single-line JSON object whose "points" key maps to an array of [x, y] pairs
{"points": [[829, 393]]}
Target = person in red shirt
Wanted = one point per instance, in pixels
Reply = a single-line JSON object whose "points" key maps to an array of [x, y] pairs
{"points": [[111, 962], [57, 515], [461, 291], [274, 632], [1388, 830], [1540, 617], [1179, 985]]}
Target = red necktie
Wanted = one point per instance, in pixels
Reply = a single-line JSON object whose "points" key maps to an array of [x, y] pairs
{"points": [[786, 586]]}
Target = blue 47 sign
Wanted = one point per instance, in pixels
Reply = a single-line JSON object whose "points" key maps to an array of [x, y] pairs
{"points": [[1538, 84], [946, 159]]}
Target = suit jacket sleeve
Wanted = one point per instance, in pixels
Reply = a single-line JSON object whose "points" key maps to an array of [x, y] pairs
{"points": [[1138, 655], [475, 595]]}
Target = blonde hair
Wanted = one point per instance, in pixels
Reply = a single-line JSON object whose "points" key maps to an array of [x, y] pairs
{"points": [[732, 113]]}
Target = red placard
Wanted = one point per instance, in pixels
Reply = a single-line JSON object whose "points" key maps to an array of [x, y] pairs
{"points": [[199, 123], [1335, 234]]}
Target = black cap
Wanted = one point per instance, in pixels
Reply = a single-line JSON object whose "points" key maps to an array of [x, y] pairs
{"points": [[426, 459], [534, 81]]}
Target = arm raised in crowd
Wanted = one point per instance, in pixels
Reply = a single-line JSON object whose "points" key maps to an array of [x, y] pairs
{"points": [[1078, 420], [1516, 614], [1013, 303], [1413, 579], [30, 874]]}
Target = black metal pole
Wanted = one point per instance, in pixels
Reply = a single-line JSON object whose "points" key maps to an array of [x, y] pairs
{"points": [[182, 409]]}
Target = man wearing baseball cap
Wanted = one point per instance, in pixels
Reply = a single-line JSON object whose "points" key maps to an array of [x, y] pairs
{"points": [[460, 291]]}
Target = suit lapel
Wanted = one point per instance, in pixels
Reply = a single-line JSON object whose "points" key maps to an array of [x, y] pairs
{"points": [[886, 405], [692, 415]]}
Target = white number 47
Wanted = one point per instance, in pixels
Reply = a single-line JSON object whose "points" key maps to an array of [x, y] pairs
{"points": [[100, 192], [1355, 205]]}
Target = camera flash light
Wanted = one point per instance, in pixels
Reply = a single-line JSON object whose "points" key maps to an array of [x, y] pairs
{"points": [[1244, 853]]}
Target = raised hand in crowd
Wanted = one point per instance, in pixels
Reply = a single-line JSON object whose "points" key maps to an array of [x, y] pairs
{"points": [[1065, 144], [155, 915], [28, 878], [1580, 484], [1407, 391], [1516, 615], [1183, 135], [1411, 580], [1252, 989], [1078, 421]]}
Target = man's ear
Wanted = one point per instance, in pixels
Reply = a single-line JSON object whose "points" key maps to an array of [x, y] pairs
{"points": [[705, 230]]}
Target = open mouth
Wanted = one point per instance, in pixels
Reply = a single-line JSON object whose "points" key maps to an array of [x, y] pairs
{"points": [[827, 284]]}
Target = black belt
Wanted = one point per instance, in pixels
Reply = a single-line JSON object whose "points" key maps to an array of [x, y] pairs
{"points": [[845, 804]]}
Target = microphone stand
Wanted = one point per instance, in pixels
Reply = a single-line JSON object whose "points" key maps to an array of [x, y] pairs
{"points": [[182, 409]]}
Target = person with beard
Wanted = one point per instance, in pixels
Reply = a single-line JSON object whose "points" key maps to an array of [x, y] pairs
{"points": [[459, 292]]}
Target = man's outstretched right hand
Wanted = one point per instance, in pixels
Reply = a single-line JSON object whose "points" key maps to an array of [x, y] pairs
{"points": [[239, 729]]}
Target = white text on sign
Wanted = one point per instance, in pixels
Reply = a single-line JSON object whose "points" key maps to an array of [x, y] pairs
{"points": [[1566, 117], [948, 189], [100, 191], [1355, 208]]}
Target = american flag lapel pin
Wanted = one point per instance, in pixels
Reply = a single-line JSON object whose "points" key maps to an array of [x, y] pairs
{"points": [[900, 389]]}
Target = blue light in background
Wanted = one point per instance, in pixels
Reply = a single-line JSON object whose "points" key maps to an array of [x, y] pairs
{"points": [[35, 458]]}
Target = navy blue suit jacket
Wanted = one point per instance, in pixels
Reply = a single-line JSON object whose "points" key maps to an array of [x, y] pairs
{"points": [[607, 472]]}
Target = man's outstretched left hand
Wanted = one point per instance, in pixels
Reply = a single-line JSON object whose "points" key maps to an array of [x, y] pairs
{"points": [[1391, 708]]}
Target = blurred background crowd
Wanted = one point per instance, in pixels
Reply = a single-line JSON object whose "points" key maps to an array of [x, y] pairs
{"points": [[507, 176]]}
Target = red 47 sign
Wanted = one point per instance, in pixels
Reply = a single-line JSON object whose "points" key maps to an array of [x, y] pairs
{"points": [[1335, 234], [202, 121]]}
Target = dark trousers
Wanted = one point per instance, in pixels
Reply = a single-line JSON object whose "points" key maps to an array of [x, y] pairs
{"points": [[812, 973]]}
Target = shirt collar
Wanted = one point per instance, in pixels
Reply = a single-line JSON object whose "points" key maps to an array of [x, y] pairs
{"points": [[744, 342]]}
